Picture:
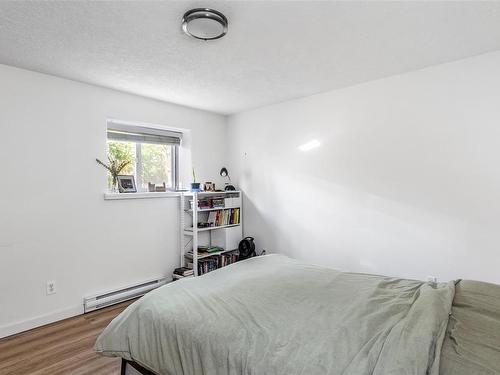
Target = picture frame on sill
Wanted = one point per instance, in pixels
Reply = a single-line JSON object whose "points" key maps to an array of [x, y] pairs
{"points": [[126, 184], [208, 186]]}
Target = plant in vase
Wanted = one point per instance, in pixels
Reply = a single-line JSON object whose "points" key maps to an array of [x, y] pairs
{"points": [[195, 186], [114, 168]]}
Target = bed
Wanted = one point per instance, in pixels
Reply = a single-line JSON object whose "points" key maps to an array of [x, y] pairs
{"points": [[275, 315]]}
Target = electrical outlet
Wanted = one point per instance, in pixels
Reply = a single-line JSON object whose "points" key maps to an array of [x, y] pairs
{"points": [[51, 287], [432, 279]]}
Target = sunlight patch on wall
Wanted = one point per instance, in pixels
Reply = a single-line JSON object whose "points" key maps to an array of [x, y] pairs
{"points": [[309, 145]]}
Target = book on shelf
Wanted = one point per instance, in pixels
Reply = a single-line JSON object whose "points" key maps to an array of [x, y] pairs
{"points": [[203, 251], [218, 203], [228, 258], [218, 218], [183, 271], [209, 249], [208, 203], [211, 262]]}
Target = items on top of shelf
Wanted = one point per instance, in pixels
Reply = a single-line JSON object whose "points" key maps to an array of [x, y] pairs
{"points": [[208, 186], [224, 173], [195, 186]]}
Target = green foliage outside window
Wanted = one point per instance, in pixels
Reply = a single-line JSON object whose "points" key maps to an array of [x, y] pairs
{"points": [[150, 162], [121, 151], [156, 164]]}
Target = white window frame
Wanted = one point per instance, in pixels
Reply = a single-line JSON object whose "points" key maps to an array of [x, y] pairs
{"points": [[111, 123]]}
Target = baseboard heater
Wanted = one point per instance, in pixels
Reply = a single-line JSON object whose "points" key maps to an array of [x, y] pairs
{"points": [[99, 301]]}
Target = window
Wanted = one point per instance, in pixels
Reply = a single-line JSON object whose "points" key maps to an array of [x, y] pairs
{"points": [[153, 153]]}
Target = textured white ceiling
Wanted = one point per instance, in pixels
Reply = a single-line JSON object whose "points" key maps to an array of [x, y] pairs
{"points": [[274, 51]]}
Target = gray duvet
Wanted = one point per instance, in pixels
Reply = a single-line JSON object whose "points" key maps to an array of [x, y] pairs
{"points": [[275, 315], [472, 342]]}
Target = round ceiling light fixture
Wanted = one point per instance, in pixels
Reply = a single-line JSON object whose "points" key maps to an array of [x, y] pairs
{"points": [[204, 24]]}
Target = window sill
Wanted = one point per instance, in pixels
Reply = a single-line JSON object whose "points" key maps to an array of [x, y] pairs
{"points": [[146, 195]]}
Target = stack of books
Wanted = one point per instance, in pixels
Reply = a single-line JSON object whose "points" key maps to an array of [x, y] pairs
{"points": [[204, 203], [209, 249], [182, 272], [224, 217], [218, 203], [209, 264], [209, 203], [203, 251], [228, 258]]}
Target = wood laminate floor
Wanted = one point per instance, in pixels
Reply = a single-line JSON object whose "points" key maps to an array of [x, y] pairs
{"points": [[61, 348]]}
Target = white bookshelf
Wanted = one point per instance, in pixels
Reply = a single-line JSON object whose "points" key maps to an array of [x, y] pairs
{"points": [[189, 231], [191, 236]]}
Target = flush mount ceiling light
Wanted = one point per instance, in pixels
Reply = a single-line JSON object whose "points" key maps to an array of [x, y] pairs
{"points": [[204, 24]]}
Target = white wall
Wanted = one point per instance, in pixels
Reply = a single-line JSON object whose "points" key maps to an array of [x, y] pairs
{"points": [[54, 223], [406, 181]]}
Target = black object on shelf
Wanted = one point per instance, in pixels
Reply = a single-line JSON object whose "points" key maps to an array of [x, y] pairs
{"points": [[224, 173], [247, 248]]}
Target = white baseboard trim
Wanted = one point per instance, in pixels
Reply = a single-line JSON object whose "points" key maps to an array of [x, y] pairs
{"points": [[25, 325]]}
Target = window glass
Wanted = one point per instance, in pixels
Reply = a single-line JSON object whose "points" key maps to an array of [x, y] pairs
{"points": [[152, 163], [156, 164]]}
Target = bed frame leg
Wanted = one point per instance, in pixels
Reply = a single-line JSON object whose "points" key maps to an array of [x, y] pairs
{"points": [[124, 367]]}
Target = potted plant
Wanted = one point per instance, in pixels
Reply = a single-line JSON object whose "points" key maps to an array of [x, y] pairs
{"points": [[195, 186], [114, 168]]}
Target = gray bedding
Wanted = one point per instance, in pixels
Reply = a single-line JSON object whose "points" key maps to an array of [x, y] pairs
{"points": [[275, 315], [472, 343]]}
